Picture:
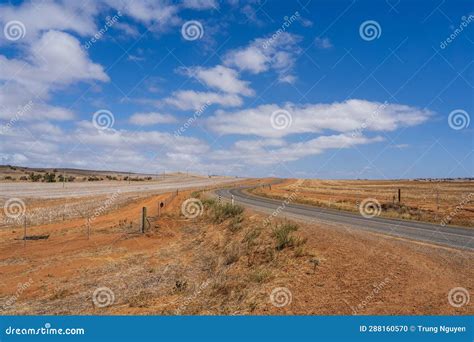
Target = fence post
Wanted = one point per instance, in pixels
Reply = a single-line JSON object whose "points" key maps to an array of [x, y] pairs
{"points": [[24, 231], [143, 219], [399, 195]]}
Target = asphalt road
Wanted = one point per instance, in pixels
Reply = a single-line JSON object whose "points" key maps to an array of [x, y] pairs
{"points": [[452, 236]]}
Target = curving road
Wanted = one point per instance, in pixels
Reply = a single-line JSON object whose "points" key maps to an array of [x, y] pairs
{"points": [[452, 236]]}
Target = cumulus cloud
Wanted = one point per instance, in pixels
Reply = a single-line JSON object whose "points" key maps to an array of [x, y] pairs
{"points": [[50, 15], [190, 99], [152, 118], [221, 78], [272, 53], [53, 61], [274, 151], [44, 145], [349, 116]]}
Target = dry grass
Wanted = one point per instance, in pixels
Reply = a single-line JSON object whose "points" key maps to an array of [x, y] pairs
{"points": [[448, 202], [200, 266]]}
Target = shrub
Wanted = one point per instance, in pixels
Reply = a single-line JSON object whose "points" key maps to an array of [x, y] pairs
{"points": [[260, 276], [49, 177], [282, 234], [34, 177], [209, 202], [251, 235], [236, 223], [196, 194], [224, 211], [231, 254]]}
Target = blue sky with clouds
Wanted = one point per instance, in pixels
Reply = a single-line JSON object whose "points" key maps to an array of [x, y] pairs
{"points": [[317, 89]]}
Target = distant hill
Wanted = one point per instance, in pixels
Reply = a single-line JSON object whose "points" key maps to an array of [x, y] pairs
{"points": [[22, 173]]}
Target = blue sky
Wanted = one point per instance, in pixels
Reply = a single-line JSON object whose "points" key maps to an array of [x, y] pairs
{"points": [[313, 89]]}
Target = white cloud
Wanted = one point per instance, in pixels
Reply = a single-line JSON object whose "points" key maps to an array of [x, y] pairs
{"points": [[323, 43], [200, 4], [271, 151], [152, 118], [158, 16], [55, 59], [221, 78], [348, 116], [190, 99], [50, 15], [272, 53]]}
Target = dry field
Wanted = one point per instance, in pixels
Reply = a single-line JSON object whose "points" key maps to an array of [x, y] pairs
{"points": [[224, 261], [448, 202], [51, 202]]}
